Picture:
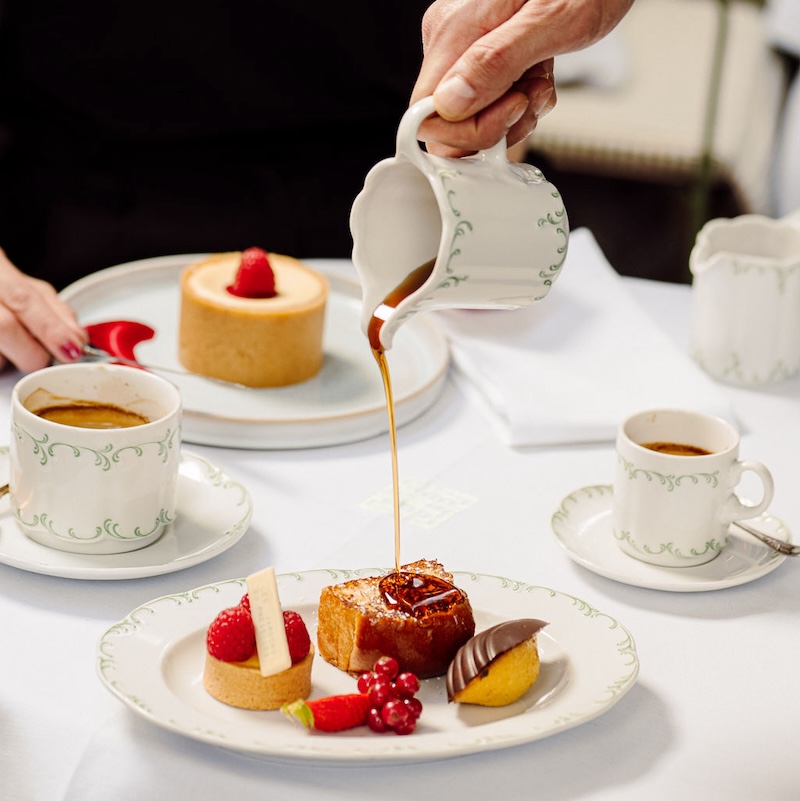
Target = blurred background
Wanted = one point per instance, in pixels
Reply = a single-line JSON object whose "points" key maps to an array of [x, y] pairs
{"points": [[689, 110]]}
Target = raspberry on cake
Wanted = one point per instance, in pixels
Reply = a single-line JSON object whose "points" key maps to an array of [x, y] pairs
{"points": [[252, 318], [358, 623], [232, 672]]}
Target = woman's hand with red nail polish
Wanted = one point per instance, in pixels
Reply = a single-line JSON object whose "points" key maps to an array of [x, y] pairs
{"points": [[35, 325]]}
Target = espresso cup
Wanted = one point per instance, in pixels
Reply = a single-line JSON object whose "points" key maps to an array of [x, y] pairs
{"points": [[79, 482], [674, 485]]}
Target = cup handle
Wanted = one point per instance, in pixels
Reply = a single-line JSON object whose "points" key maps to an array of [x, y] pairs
{"points": [[734, 509], [408, 146]]}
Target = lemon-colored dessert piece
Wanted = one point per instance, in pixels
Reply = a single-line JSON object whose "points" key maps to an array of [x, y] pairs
{"points": [[497, 666]]}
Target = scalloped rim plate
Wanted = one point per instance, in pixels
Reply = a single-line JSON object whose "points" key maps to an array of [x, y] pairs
{"points": [[343, 403], [214, 512], [153, 662], [582, 525]]}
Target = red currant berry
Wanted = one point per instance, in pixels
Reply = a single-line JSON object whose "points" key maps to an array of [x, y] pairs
{"points": [[414, 706], [407, 685], [365, 682], [375, 721], [395, 713], [387, 666], [381, 691], [406, 728]]}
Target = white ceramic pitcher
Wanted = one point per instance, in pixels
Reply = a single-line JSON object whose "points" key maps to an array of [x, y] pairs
{"points": [[496, 232], [745, 325]]}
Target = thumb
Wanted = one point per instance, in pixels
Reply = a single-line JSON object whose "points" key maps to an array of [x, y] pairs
{"points": [[496, 54]]}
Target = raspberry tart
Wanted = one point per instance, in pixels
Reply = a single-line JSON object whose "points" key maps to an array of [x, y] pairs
{"points": [[232, 672]]}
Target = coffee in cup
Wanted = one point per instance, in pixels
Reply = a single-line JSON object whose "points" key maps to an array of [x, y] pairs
{"points": [[94, 457], [674, 486], [91, 415]]}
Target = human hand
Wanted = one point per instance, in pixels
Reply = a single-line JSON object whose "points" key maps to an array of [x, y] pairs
{"points": [[489, 65], [35, 325]]}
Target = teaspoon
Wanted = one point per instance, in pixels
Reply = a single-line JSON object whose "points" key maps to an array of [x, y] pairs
{"points": [[781, 546]]}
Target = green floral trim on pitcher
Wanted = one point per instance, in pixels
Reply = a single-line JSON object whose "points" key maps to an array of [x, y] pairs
{"points": [[733, 370], [462, 228], [558, 220], [670, 481], [104, 457], [781, 273]]}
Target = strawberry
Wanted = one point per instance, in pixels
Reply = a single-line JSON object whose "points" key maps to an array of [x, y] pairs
{"points": [[334, 713], [231, 636], [254, 278], [297, 635]]}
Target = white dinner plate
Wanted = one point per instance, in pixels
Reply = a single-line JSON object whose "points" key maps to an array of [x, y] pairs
{"points": [[344, 402], [213, 513], [153, 661], [582, 525]]}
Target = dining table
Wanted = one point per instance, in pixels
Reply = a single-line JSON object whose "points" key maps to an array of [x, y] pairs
{"points": [[677, 688]]}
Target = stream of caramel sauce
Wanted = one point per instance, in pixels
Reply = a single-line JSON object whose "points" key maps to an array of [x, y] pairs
{"points": [[417, 594]]}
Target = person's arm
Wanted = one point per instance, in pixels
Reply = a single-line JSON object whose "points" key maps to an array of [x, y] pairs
{"points": [[35, 325], [489, 64]]}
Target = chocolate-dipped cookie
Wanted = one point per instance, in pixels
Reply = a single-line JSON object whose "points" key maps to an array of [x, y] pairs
{"points": [[496, 666]]}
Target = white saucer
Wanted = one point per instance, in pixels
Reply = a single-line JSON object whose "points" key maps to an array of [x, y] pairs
{"points": [[213, 513], [582, 525]]}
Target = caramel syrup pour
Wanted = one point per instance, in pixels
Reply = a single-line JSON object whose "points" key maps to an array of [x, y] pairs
{"points": [[417, 594]]}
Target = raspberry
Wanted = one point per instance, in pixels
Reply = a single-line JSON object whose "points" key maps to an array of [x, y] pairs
{"points": [[254, 278], [231, 636], [297, 635]]}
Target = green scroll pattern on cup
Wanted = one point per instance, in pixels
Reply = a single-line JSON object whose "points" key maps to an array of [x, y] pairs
{"points": [[104, 458], [670, 482]]}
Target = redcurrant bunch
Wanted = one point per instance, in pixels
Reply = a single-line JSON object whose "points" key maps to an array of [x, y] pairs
{"points": [[393, 702]]}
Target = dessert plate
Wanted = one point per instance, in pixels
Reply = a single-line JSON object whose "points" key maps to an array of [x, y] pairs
{"points": [[153, 662], [343, 403], [213, 513], [582, 525]]}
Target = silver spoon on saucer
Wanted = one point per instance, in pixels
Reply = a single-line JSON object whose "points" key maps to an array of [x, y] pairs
{"points": [[781, 546]]}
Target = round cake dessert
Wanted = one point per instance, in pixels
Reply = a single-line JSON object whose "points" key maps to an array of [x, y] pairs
{"points": [[357, 623], [252, 318], [232, 670]]}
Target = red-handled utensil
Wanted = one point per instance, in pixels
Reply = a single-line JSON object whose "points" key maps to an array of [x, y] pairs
{"points": [[119, 337], [116, 340]]}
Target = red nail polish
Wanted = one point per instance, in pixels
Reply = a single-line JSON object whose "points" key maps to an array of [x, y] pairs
{"points": [[71, 351]]}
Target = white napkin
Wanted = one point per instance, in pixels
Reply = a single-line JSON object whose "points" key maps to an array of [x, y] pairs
{"points": [[571, 367]]}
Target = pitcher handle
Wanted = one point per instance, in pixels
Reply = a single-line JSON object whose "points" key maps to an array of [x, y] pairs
{"points": [[408, 145]]}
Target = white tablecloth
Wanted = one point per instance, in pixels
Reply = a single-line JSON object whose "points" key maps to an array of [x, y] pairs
{"points": [[714, 714]]}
